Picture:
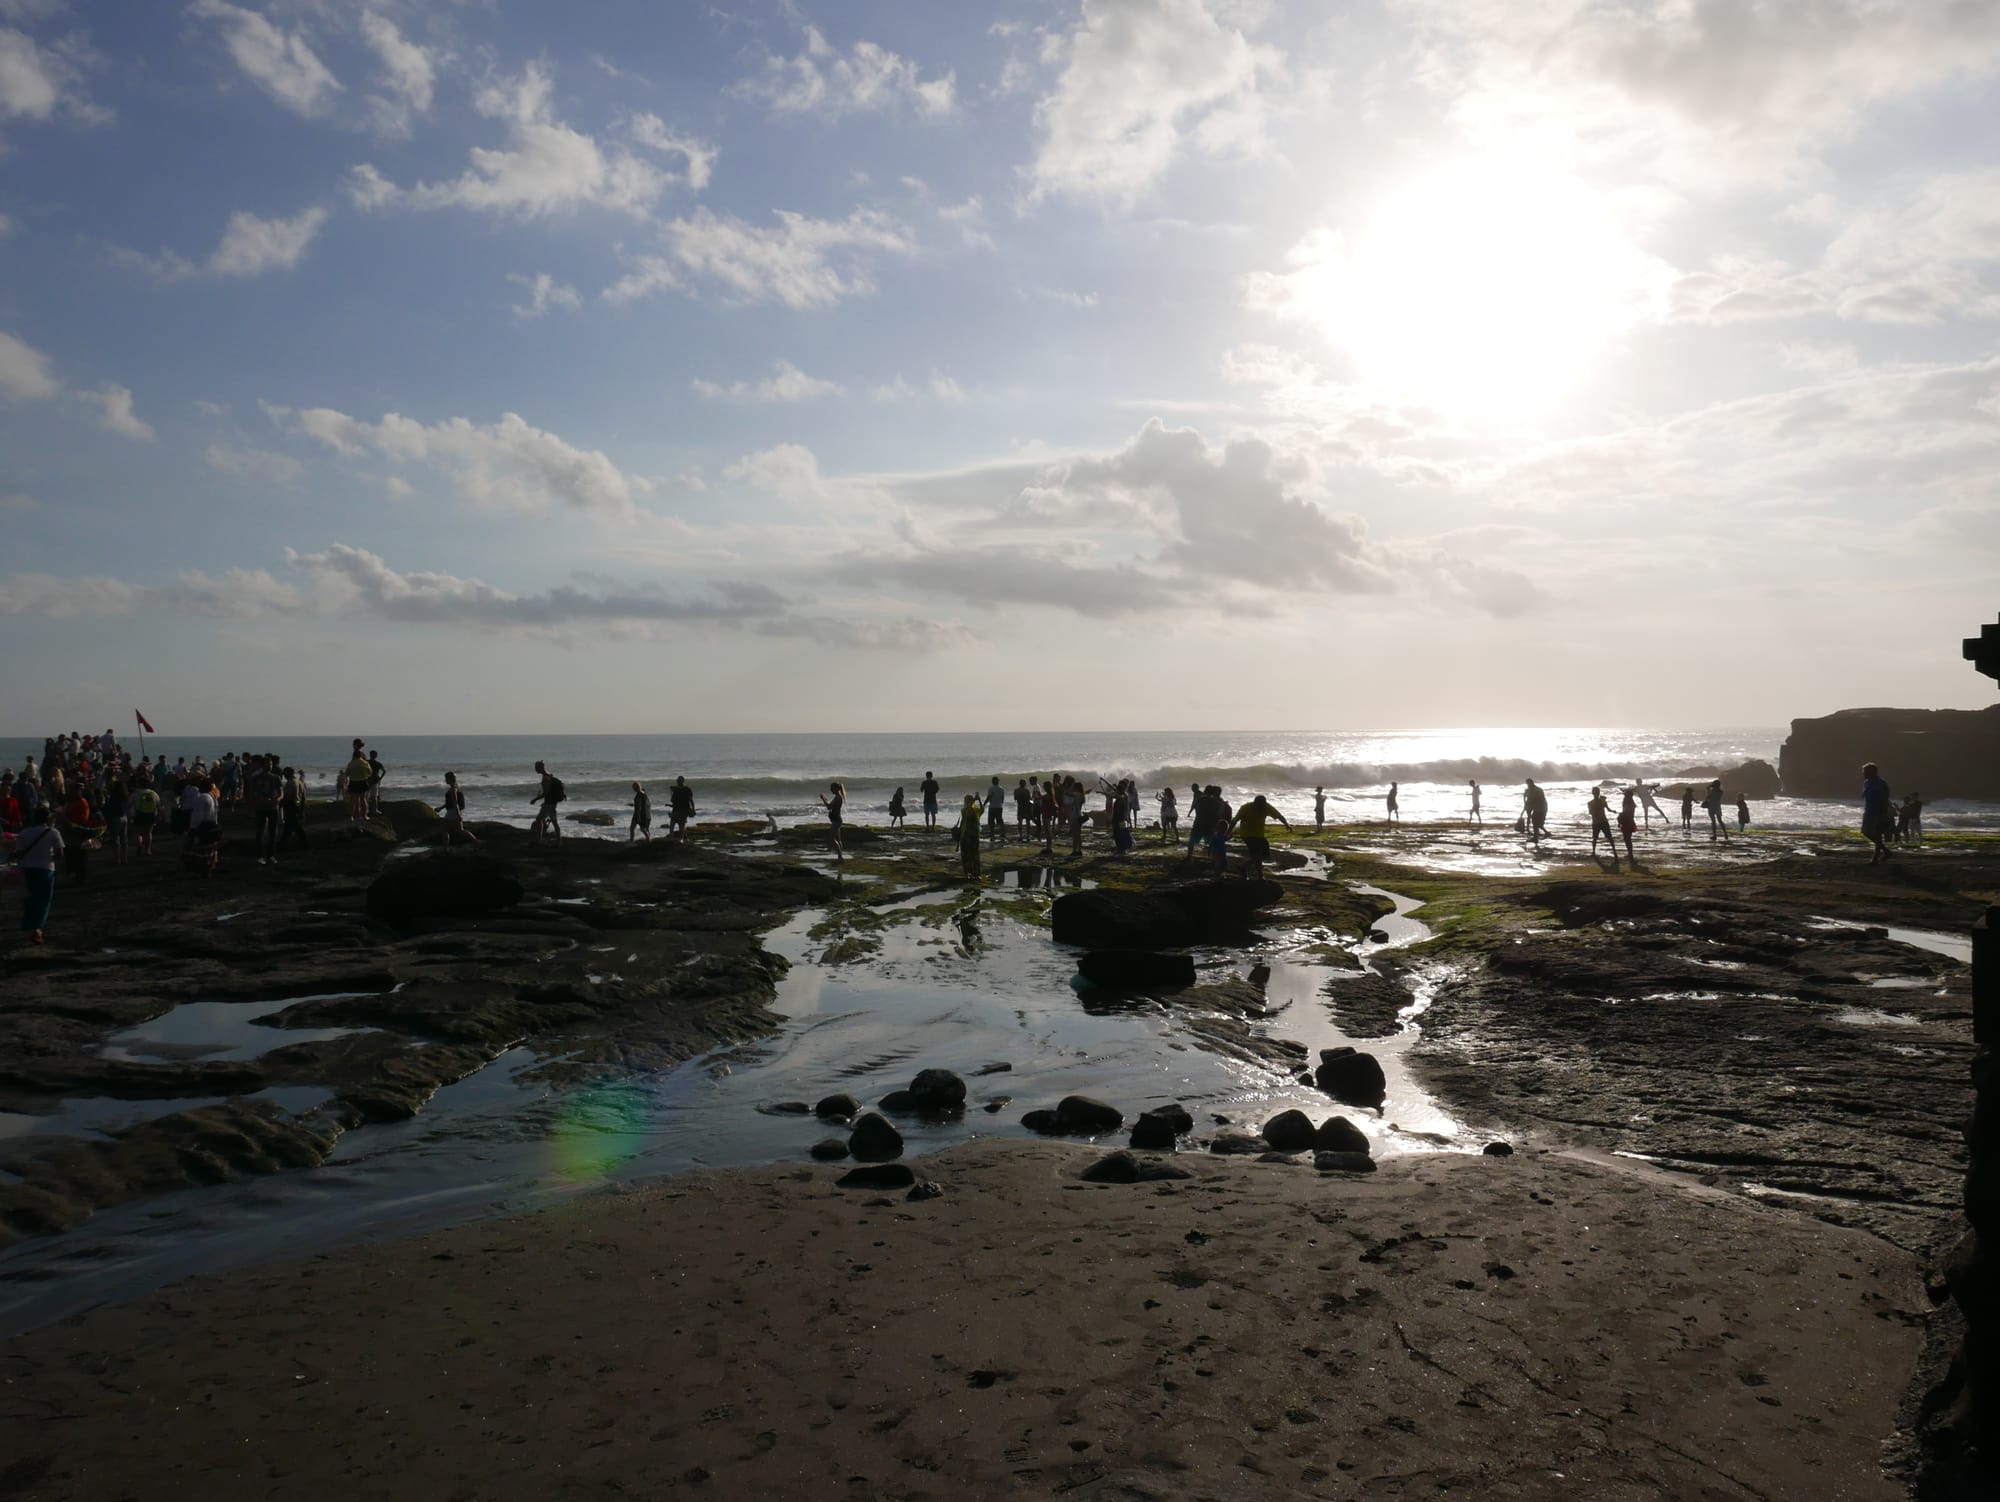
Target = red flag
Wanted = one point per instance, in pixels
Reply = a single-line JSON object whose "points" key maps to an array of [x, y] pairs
{"points": [[142, 723]]}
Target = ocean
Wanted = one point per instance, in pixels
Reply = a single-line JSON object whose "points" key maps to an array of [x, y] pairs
{"points": [[780, 776]]}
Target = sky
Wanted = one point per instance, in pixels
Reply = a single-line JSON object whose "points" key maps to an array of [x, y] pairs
{"points": [[901, 365]]}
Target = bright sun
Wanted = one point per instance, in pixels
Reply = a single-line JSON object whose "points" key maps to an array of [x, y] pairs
{"points": [[1483, 290]]}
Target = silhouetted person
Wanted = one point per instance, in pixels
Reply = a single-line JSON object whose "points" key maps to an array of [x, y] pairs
{"points": [[1394, 817], [929, 789], [1535, 810], [1170, 816], [896, 809], [1876, 819], [1628, 820], [1742, 813], [1319, 808], [1712, 802], [1250, 822], [965, 834], [1687, 809], [1477, 817], [1600, 822], [834, 801]]}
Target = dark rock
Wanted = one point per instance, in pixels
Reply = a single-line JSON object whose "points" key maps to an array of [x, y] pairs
{"points": [[925, 1191], [838, 1105], [1080, 1115], [1158, 1129], [1044, 1122], [938, 1090], [1177, 1114], [786, 1108], [1755, 778], [829, 1149], [878, 1176], [1168, 916], [415, 891], [902, 1102], [997, 1104], [874, 1140], [1343, 1163], [1339, 1135], [1122, 968], [1351, 1077], [1498, 1150], [1942, 753], [1123, 1167], [986, 1069], [1289, 1131], [1378, 936], [1236, 1144], [1291, 1158]]}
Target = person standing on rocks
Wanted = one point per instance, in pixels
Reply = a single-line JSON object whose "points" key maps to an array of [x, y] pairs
{"points": [[996, 810], [1073, 799], [1121, 820], [1650, 803], [1687, 808], [680, 806], [291, 810], [1600, 822], [1476, 818], [35, 850], [1319, 808], [1628, 821], [454, 812], [929, 788], [354, 782], [965, 834], [549, 791], [264, 790], [1876, 819], [145, 815], [1911, 820], [642, 815], [896, 809], [377, 775], [1742, 813], [834, 801], [1394, 804], [1170, 816], [1535, 811], [1713, 804], [1250, 824]]}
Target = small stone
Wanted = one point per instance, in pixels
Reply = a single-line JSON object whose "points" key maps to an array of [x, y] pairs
{"points": [[1343, 1163], [1236, 1144], [874, 1140], [844, 1106], [1289, 1131], [927, 1190], [878, 1176], [1339, 1135], [828, 1149], [787, 1108], [986, 1069], [997, 1104], [1498, 1150]]}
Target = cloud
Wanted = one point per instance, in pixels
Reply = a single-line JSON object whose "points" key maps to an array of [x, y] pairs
{"points": [[547, 167], [117, 416], [24, 372], [508, 465], [790, 471], [1141, 80], [281, 63], [544, 292], [260, 465], [698, 155], [237, 593], [940, 387], [408, 74], [249, 247], [826, 82], [39, 82], [800, 262], [52, 598], [786, 383]]}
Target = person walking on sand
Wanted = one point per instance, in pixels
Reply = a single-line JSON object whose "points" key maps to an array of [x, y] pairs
{"points": [[1319, 808], [35, 850], [355, 780], [454, 812], [1742, 813], [1876, 819], [642, 815], [1600, 822], [680, 806], [929, 788], [1628, 821], [1687, 808], [896, 809], [1250, 822], [1477, 818], [1394, 817], [1170, 816], [965, 834], [548, 793], [1712, 803], [834, 801]]}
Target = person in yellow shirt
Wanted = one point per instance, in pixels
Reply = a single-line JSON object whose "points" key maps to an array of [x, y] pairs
{"points": [[1250, 821]]}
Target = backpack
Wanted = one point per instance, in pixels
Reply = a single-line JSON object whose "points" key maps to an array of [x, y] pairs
{"points": [[553, 791]]}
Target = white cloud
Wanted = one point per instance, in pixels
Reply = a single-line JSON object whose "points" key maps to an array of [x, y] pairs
{"points": [[281, 63], [825, 81], [786, 383], [118, 417], [799, 262], [699, 156], [508, 465], [409, 75], [544, 292], [52, 598], [6, 226], [24, 371], [249, 247], [31, 81], [1141, 80], [940, 387], [547, 167], [237, 593], [259, 465]]}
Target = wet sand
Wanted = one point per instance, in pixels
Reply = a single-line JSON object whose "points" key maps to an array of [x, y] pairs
{"points": [[1532, 1327]]}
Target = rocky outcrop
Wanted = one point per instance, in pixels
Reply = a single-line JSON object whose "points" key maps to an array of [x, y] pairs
{"points": [[1119, 969], [1353, 1078], [1940, 753], [1289, 1131], [1159, 1128], [1755, 779], [1168, 916], [410, 892]]}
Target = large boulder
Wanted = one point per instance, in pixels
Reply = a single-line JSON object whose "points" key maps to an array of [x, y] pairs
{"points": [[1940, 753], [426, 888], [1160, 1128], [1075, 1116], [1756, 779], [1121, 968], [938, 1091], [1289, 1132], [1351, 1077], [837, 1108], [878, 1176], [1339, 1135], [1168, 916], [873, 1140]]}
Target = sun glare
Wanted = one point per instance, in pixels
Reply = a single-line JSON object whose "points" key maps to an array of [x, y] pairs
{"points": [[1484, 290]]}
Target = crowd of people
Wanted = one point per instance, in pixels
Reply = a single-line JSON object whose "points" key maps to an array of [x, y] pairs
{"points": [[87, 793]]}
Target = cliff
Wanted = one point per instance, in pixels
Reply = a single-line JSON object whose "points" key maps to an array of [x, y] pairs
{"points": [[1941, 753]]}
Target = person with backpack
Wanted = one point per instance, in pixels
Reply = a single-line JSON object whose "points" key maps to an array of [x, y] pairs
{"points": [[548, 793]]}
